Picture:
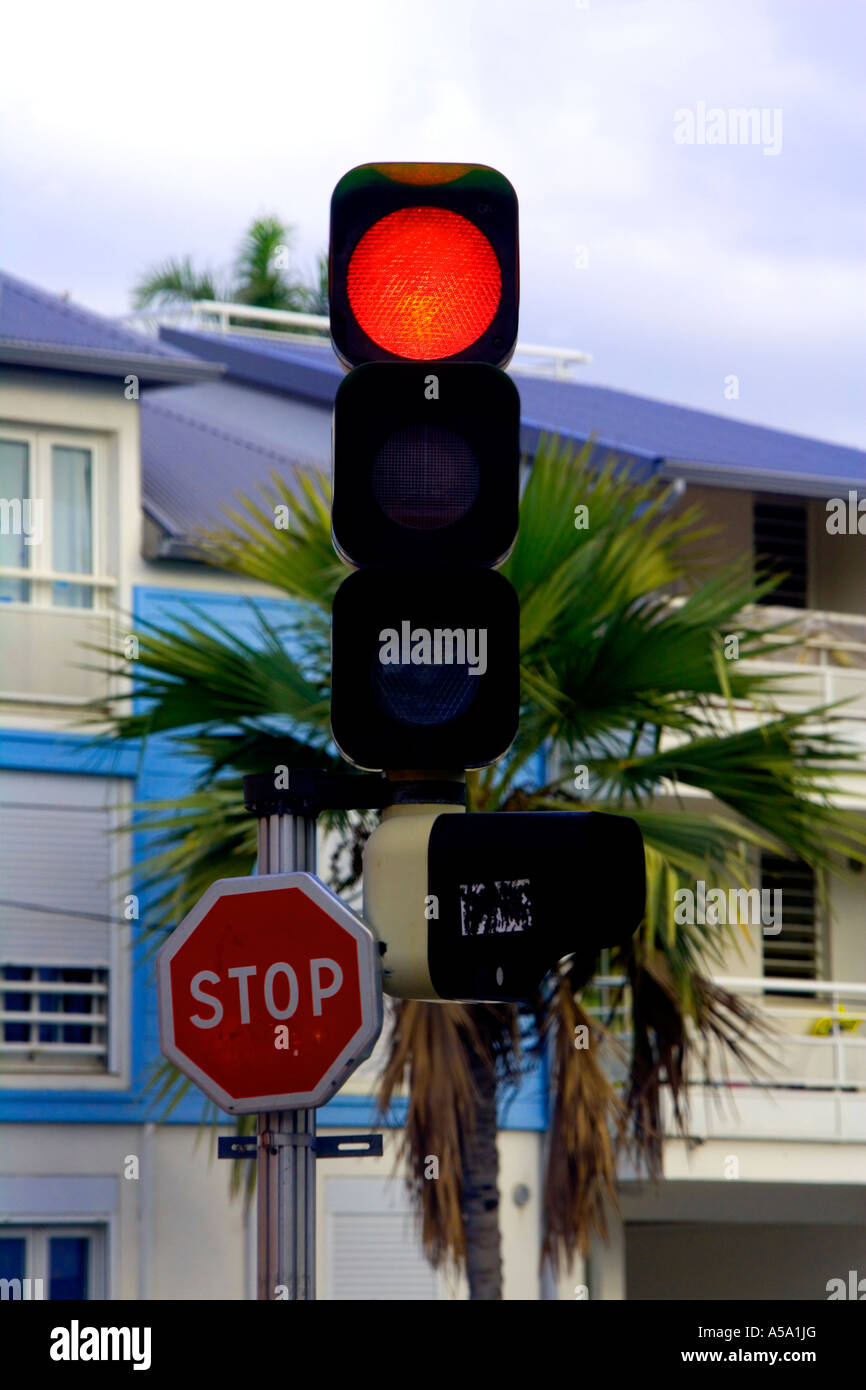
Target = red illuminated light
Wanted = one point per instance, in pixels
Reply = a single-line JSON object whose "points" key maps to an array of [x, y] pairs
{"points": [[424, 283]]}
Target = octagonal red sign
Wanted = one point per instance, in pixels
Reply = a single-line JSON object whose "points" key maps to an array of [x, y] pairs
{"points": [[269, 993]]}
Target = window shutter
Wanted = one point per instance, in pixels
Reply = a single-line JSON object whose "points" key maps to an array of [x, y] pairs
{"points": [[58, 933], [55, 853], [374, 1248], [793, 954], [780, 535]]}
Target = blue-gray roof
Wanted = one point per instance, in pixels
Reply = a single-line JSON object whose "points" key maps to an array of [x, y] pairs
{"points": [[674, 440], [223, 412], [202, 445], [42, 330], [691, 443]]}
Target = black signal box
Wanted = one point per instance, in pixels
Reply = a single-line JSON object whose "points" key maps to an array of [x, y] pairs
{"points": [[517, 892], [426, 464], [424, 668]]}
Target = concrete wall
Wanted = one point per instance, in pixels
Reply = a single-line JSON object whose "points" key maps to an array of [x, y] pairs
{"points": [[175, 1233], [847, 953], [730, 512]]}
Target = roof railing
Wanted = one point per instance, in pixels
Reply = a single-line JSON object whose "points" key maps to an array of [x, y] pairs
{"points": [[218, 316], [558, 361]]}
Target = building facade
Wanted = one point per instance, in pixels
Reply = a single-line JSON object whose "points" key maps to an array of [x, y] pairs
{"points": [[118, 446]]}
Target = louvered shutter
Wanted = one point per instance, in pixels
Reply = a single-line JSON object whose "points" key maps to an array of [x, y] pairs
{"points": [[55, 853], [780, 537], [374, 1248], [794, 953]]}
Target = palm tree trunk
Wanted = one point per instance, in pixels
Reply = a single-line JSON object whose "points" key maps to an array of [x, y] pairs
{"points": [[481, 1188]]}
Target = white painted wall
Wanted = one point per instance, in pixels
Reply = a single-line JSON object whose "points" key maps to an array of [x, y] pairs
{"points": [[764, 1161], [175, 1233]]}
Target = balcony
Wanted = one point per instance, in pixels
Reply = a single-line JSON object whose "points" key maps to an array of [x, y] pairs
{"points": [[827, 665], [811, 1083], [43, 652]]}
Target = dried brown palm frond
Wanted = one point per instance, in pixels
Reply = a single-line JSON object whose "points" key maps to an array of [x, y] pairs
{"points": [[438, 1051], [729, 1027], [581, 1163], [662, 1046], [658, 1054]]}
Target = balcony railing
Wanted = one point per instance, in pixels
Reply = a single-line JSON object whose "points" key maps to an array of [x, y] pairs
{"points": [[811, 1072], [43, 656], [245, 320]]}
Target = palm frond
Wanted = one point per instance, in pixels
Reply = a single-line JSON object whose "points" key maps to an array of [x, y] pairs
{"points": [[580, 1165], [430, 1052], [261, 278], [299, 560], [177, 282], [201, 673]]}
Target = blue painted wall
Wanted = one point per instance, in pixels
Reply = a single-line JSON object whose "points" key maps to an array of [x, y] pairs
{"points": [[158, 773]]}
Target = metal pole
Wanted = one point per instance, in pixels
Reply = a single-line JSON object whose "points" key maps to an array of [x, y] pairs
{"points": [[286, 1177]]}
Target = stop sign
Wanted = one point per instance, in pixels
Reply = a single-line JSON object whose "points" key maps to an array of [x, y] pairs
{"points": [[269, 993]]}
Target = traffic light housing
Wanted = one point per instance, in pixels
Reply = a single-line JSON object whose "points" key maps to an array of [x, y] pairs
{"points": [[424, 668], [482, 906], [423, 289], [426, 465], [423, 264], [423, 286]]}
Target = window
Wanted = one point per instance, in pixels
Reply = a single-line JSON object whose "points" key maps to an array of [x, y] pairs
{"points": [[54, 519], [14, 487], [57, 1262], [780, 534], [49, 1009], [61, 924], [794, 952]]}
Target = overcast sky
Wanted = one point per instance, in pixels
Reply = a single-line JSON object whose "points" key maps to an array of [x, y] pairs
{"points": [[134, 132]]}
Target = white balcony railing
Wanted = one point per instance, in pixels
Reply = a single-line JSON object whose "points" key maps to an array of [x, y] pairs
{"points": [[245, 320], [44, 658], [811, 1072]]}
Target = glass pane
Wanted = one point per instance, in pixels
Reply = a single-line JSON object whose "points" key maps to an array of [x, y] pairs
{"points": [[19, 1003], [17, 515], [72, 522], [66, 1004], [68, 1259], [48, 1004], [13, 1251]]}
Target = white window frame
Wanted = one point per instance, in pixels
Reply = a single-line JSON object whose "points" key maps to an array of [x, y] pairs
{"points": [[39, 572], [36, 1251]]}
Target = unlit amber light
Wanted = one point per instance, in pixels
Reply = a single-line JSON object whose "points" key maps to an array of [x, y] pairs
{"points": [[424, 283]]}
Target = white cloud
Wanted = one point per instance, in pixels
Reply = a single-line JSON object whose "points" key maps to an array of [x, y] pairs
{"points": [[133, 133]]}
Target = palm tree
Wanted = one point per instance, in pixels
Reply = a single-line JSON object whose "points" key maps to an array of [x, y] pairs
{"points": [[260, 276], [617, 678]]}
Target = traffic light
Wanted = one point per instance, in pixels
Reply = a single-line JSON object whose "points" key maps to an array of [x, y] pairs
{"points": [[483, 906], [423, 286]]}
